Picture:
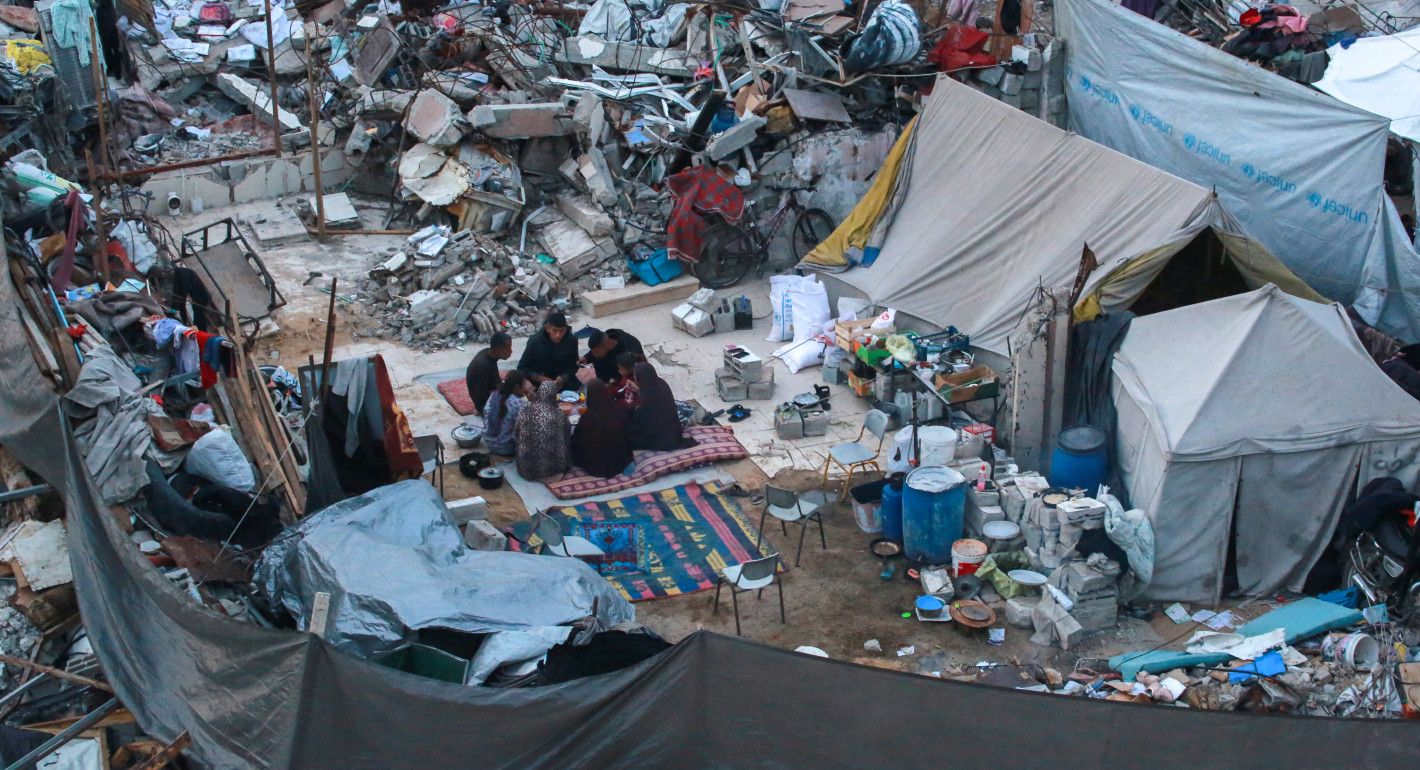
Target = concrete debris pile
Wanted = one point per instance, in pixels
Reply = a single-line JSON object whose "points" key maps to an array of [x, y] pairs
{"points": [[444, 288]]}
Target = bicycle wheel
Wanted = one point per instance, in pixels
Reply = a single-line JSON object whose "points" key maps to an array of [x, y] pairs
{"points": [[726, 254], [812, 226]]}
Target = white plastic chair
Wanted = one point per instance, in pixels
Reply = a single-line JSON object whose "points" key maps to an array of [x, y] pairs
{"points": [[558, 544], [858, 456], [750, 576], [789, 508]]}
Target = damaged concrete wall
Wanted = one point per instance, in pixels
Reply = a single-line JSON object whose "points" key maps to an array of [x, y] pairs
{"points": [[251, 179], [1035, 385]]}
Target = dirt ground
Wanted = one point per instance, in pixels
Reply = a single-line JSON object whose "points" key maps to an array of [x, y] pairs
{"points": [[836, 599]]}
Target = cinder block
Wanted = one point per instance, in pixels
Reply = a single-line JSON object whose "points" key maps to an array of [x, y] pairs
{"points": [[482, 536], [991, 76], [1028, 56], [1011, 84]]}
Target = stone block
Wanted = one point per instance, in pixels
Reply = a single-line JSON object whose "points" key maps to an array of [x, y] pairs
{"points": [[991, 76], [520, 121], [1018, 610], [435, 119], [1028, 56], [482, 536], [735, 138], [1011, 84], [596, 174], [588, 215]]}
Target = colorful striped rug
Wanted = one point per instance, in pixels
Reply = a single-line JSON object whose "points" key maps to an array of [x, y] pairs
{"points": [[685, 536]]}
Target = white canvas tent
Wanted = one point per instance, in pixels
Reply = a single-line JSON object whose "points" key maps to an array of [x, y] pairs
{"points": [[1380, 75], [1254, 415], [983, 204]]}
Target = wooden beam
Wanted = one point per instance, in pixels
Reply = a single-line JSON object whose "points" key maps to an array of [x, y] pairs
{"points": [[168, 753], [11, 660]]}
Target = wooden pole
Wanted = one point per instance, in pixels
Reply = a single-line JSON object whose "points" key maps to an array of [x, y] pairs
{"points": [[271, 75], [100, 227], [100, 91], [315, 141], [11, 660], [329, 346]]}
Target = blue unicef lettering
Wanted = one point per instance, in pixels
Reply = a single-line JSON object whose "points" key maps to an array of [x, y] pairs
{"points": [[1202, 147], [1144, 117], [1337, 208], [1269, 179]]}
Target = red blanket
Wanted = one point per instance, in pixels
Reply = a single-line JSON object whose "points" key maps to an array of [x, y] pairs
{"points": [[714, 443], [698, 191]]}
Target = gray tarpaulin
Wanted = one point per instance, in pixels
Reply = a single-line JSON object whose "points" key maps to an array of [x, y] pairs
{"points": [[113, 434], [392, 559], [255, 697]]}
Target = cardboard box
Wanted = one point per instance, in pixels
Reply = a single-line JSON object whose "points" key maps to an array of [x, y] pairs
{"points": [[979, 381]]}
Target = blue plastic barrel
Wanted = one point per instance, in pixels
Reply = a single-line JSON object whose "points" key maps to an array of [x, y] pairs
{"points": [[891, 510], [1079, 460], [933, 501]]}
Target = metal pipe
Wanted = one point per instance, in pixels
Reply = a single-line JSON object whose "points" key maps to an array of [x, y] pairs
{"points": [[11, 495], [18, 691], [44, 749], [523, 239], [119, 174]]}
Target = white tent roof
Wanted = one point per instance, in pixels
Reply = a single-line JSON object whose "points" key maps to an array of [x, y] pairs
{"points": [[1380, 75], [1258, 372], [999, 203]]}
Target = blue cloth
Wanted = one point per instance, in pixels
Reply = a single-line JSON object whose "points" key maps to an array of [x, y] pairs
{"points": [[71, 27], [1266, 664], [498, 423]]}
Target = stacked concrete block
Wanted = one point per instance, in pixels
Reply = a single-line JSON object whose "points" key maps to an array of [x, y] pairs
{"points": [[744, 376], [1095, 595]]}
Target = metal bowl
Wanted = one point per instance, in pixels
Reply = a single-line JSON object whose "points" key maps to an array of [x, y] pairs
{"points": [[467, 436]]}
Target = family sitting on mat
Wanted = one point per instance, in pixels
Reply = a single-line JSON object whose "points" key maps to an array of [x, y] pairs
{"points": [[628, 406]]}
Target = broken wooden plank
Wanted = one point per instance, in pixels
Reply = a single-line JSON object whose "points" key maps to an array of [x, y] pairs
{"points": [[604, 302]]}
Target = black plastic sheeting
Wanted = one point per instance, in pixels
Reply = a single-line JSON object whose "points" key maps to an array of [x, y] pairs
{"points": [[253, 697], [1088, 378]]}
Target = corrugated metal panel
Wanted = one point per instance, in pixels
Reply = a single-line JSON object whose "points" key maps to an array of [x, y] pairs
{"points": [[75, 79]]}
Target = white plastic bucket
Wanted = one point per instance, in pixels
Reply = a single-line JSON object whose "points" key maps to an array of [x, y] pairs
{"points": [[1355, 649], [938, 444], [967, 555]]}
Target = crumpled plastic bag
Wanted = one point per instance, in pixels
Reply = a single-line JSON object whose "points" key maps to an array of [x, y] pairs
{"points": [[1132, 531], [218, 458], [995, 567]]}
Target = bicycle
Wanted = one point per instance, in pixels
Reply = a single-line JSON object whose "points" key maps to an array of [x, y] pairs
{"points": [[728, 250]]}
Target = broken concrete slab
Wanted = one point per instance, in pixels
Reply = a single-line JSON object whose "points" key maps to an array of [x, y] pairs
{"points": [[596, 173], [629, 57], [588, 215], [735, 138], [435, 119], [605, 302], [258, 100], [576, 252], [817, 105], [339, 211], [277, 226], [520, 121]]}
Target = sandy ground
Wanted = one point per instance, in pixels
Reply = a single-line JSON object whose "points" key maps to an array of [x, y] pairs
{"points": [[835, 599]]}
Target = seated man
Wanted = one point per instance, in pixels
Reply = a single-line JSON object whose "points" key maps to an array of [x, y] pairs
{"points": [[551, 354], [482, 374], [605, 348], [1402, 368]]}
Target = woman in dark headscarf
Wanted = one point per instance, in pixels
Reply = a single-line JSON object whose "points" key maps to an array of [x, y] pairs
{"points": [[655, 424], [601, 444], [542, 435]]}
